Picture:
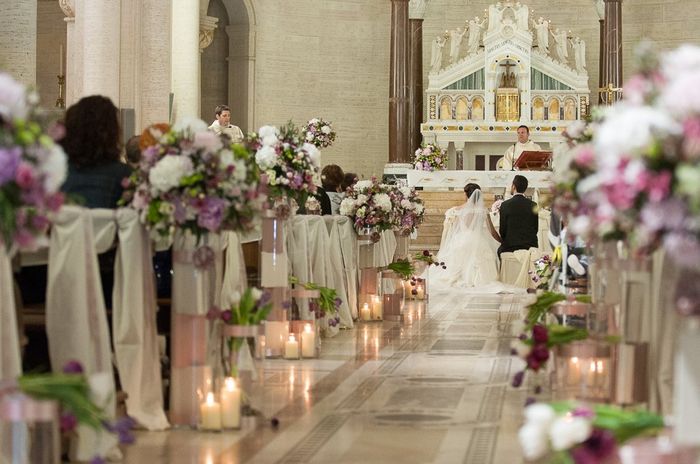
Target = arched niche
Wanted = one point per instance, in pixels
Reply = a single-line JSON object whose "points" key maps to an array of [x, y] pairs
{"points": [[478, 109], [538, 109], [554, 109], [570, 109], [445, 108], [462, 109]]}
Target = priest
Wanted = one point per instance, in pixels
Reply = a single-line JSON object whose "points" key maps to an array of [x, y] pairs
{"points": [[514, 151]]}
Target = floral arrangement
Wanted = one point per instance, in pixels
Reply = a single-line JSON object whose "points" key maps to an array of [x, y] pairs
{"points": [[408, 209], [32, 167], [328, 303], [544, 268], [189, 180], [581, 434], [403, 268], [430, 157], [249, 308], [318, 132], [79, 398], [368, 204], [287, 163], [534, 347], [638, 177], [427, 257]]}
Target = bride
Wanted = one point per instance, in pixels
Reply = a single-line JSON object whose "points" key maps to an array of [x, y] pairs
{"points": [[468, 247]]}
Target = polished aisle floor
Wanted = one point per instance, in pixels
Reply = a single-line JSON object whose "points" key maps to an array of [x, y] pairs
{"points": [[432, 389]]}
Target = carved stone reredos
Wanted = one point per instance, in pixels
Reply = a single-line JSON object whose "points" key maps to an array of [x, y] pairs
{"points": [[67, 8]]}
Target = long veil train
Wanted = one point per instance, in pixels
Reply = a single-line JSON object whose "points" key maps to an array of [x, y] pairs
{"points": [[469, 253]]}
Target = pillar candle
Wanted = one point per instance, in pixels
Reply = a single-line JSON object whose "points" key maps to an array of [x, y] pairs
{"points": [[420, 289], [291, 348], [308, 342], [377, 308], [210, 413], [230, 404], [365, 313]]}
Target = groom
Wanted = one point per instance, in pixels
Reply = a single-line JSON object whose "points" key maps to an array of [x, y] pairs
{"points": [[519, 222]]}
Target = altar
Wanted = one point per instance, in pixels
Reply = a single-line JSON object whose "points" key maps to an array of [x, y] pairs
{"points": [[502, 76], [497, 182]]}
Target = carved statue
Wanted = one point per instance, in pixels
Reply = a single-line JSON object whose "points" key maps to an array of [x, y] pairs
{"points": [[508, 80], [495, 16], [561, 42], [579, 48], [521, 14], [456, 37], [475, 29], [600, 8], [542, 31], [436, 57]]}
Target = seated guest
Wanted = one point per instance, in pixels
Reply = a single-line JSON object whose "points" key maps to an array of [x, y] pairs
{"points": [[349, 180], [95, 172], [332, 177]]}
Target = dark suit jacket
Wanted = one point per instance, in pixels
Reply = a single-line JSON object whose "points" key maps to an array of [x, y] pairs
{"points": [[518, 224]]}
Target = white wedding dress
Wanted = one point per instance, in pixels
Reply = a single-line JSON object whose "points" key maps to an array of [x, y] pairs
{"points": [[469, 252]]}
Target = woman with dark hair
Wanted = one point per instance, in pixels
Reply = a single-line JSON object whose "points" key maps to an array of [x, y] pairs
{"points": [[95, 172], [332, 177], [349, 180]]}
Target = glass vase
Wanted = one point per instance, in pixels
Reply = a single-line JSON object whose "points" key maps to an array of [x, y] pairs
{"points": [[369, 272], [192, 297], [273, 254], [242, 342], [584, 371], [393, 295], [29, 431]]}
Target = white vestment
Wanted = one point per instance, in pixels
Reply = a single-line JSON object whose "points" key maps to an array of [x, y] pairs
{"points": [[518, 148], [233, 132]]}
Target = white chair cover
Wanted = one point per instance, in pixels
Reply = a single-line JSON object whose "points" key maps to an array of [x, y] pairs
{"points": [[349, 256], [297, 242], [235, 279], [134, 324], [543, 241], [320, 259], [336, 271], [515, 267], [10, 359], [385, 248], [76, 320]]}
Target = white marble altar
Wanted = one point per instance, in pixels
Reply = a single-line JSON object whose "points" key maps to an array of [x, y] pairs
{"points": [[494, 180]]}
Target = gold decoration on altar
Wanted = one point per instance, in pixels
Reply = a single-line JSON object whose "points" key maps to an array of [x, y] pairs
{"points": [[610, 94], [507, 105]]}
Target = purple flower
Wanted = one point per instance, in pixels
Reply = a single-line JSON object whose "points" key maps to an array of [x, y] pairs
{"points": [[684, 248], [539, 334], [226, 315], [211, 213], [337, 302], [122, 427], [583, 411], [529, 400], [518, 379], [98, 460], [9, 161], [68, 422], [599, 446], [665, 215], [73, 367], [540, 352]]}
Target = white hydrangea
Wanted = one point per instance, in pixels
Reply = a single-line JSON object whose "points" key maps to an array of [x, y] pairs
{"points": [[13, 99], [326, 130], [266, 157], [405, 191], [347, 206], [267, 131], [309, 136], [168, 172], [188, 123], [567, 431], [406, 204], [362, 185], [314, 153], [55, 169], [313, 121], [361, 199], [419, 208], [383, 201], [361, 212]]}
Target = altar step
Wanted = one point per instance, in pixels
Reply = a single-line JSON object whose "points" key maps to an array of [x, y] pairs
{"points": [[436, 203]]}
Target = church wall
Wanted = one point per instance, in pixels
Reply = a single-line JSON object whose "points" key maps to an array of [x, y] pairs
{"points": [[327, 58], [50, 34]]}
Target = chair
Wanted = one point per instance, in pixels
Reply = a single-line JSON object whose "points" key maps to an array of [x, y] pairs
{"points": [[515, 267]]}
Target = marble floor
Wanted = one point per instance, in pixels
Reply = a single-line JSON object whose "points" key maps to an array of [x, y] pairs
{"points": [[431, 389]]}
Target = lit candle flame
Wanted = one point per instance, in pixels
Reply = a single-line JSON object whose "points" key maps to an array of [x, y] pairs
{"points": [[210, 398], [230, 384]]}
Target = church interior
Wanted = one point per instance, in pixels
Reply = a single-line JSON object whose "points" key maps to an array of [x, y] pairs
{"points": [[313, 231]]}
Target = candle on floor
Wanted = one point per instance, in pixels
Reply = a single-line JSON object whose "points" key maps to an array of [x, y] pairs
{"points": [[230, 404], [210, 412], [377, 309], [275, 335], [291, 348], [308, 342], [420, 289], [365, 313]]}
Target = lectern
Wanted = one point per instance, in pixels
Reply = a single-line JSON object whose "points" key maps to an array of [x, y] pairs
{"points": [[534, 161]]}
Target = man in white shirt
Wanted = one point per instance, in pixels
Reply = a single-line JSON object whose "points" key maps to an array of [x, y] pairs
{"points": [[514, 151], [223, 126]]}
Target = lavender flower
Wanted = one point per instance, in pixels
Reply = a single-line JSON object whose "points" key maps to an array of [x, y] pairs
{"points": [[73, 367], [9, 161], [211, 213]]}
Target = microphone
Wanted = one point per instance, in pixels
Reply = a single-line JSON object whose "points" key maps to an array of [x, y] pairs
{"points": [[512, 164]]}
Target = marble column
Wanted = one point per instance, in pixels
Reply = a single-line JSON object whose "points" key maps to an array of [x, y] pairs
{"points": [[185, 59], [74, 53], [613, 45], [101, 23], [600, 10], [416, 14], [18, 40], [153, 99], [398, 84]]}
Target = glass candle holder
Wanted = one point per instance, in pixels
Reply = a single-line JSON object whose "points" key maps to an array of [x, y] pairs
{"points": [[292, 348], [584, 371]]}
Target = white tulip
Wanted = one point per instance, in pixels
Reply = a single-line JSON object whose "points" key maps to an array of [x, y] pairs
{"points": [[569, 431], [533, 440]]}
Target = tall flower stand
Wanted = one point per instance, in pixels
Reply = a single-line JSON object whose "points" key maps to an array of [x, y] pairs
{"points": [[369, 297], [393, 295], [192, 297], [275, 277], [29, 431]]}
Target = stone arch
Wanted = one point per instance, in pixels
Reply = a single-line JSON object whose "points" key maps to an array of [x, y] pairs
{"points": [[462, 109], [240, 34], [445, 108], [553, 106], [478, 109]]}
